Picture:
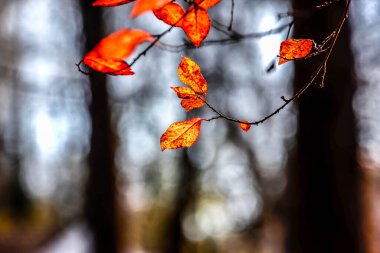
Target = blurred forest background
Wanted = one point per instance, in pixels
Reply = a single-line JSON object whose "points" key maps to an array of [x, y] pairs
{"points": [[81, 168]]}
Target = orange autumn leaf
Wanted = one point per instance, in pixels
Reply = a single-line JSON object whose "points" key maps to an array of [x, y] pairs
{"points": [[205, 4], [110, 3], [196, 25], [294, 49], [245, 127], [107, 56], [108, 66], [190, 99], [142, 6], [190, 74], [121, 44], [171, 14], [195, 22], [181, 134]]}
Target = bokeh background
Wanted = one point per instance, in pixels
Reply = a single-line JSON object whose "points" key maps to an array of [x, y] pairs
{"points": [[81, 168]]}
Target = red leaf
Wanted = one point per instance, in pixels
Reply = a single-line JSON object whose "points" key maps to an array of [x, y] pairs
{"points": [[190, 99], [107, 56], [205, 4], [142, 6], [109, 66], [190, 74], [196, 25], [245, 127], [294, 49], [171, 14], [109, 3], [181, 134], [195, 22], [121, 44]]}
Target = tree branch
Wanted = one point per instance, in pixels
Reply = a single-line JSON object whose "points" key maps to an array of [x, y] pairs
{"points": [[321, 70]]}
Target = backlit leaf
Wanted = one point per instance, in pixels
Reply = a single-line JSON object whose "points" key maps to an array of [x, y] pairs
{"points": [[190, 99], [171, 14], [245, 127], [142, 6], [121, 44], [196, 25], [190, 74], [294, 49], [108, 66], [109, 3], [181, 134], [205, 4]]}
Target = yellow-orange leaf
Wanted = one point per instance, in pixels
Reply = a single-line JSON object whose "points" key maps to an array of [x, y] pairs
{"points": [[245, 127], [294, 49], [171, 14], [190, 74], [108, 66], [109, 3], [190, 99], [142, 6], [121, 44], [205, 4], [196, 25], [181, 134]]}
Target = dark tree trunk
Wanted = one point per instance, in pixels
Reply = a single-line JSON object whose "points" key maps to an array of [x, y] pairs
{"points": [[101, 195], [323, 184], [19, 201], [185, 198]]}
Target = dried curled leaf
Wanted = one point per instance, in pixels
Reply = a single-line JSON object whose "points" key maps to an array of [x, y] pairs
{"points": [[245, 127], [294, 49], [196, 25], [142, 6], [205, 4], [108, 66], [110, 3], [190, 99], [181, 134], [121, 44], [171, 14], [190, 74]]}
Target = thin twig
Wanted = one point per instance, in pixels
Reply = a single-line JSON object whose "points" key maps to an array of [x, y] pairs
{"points": [[232, 15], [233, 38], [306, 12], [80, 69], [289, 30]]}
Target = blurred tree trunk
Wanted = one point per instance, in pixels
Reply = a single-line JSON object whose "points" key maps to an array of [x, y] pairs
{"points": [[323, 183], [185, 198], [101, 200], [19, 201]]}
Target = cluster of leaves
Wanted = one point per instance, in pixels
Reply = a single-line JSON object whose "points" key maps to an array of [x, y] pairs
{"points": [[185, 133], [109, 55]]}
